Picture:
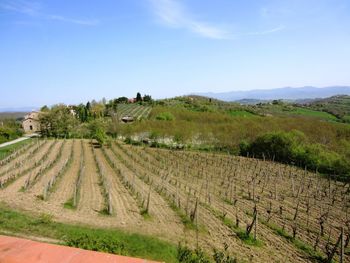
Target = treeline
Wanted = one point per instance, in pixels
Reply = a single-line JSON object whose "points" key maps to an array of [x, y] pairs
{"points": [[313, 143], [94, 119], [9, 130], [304, 141], [293, 148]]}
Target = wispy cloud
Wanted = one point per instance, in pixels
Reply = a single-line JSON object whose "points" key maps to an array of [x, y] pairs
{"points": [[23, 7], [90, 22], [33, 9], [266, 32], [174, 14]]}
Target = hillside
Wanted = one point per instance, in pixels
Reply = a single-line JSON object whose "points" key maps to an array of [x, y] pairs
{"points": [[287, 93], [337, 105], [243, 206]]}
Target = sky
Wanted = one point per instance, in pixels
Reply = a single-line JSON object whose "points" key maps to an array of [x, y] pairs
{"points": [[61, 51]]}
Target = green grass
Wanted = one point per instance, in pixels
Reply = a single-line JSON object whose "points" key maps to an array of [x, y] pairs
{"points": [[69, 204], [240, 113], [7, 150], [314, 113], [241, 233], [307, 249], [106, 240]]}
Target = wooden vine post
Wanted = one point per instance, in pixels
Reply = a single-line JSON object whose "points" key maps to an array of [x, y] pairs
{"points": [[256, 225], [342, 246]]}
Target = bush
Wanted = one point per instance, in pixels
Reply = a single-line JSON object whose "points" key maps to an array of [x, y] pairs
{"points": [[278, 146], [10, 130], [106, 244], [292, 148], [165, 116], [186, 255]]}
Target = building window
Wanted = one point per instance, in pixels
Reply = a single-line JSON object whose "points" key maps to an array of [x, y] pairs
{"points": [[31, 127]]}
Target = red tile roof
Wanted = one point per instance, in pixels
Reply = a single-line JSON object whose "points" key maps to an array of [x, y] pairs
{"points": [[18, 250]]}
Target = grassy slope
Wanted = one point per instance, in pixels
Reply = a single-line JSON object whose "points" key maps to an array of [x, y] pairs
{"points": [[337, 105], [106, 240], [12, 115], [6, 151], [314, 113]]}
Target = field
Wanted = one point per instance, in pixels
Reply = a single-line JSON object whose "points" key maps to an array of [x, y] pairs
{"points": [[7, 150], [314, 113], [202, 199], [136, 111]]}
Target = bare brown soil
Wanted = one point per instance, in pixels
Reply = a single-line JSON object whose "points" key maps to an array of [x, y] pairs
{"points": [[223, 186]]}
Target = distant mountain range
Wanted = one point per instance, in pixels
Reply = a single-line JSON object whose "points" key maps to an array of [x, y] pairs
{"points": [[287, 93], [19, 109]]}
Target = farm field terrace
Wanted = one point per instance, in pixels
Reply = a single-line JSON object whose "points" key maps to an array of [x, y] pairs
{"points": [[181, 196]]}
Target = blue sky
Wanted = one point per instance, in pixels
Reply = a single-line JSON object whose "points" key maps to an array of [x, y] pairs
{"points": [[73, 51]]}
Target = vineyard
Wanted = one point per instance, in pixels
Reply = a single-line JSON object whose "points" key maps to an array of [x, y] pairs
{"points": [[136, 111], [259, 210]]}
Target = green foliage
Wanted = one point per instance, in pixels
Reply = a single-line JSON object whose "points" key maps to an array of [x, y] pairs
{"points": [[106, 243], [223, 256], [248, 239], [278, 146], [44, 108], [108, 240], [138, 97], [58, 122], [186, 255], [240, 113], [7, 150], [97, 129], [292, 147], [165, 116], [69, 204], [147, 99], [44, 219], [10, 130], [309, 250], [338, 106]]}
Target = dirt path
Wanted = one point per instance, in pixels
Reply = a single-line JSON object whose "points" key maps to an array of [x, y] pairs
{"points": [[65, 186], [22, 161], [50, 154], [91, 200], [163, 219], [124, 207], [14, 141], [39, 186], [217, 230], [16, 159]]}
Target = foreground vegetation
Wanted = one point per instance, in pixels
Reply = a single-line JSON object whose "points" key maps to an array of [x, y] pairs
{"points": [[104, 240], [205, 200], [316, 139], [10, 129], [8, 150]]}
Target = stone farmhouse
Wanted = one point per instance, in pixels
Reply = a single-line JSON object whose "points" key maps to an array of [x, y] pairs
{"points": [[31, 122]]}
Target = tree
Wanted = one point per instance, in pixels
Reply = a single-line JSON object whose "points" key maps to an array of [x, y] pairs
{"points": [[58, 122], [138, 97], [147, 98], [98, 131], [44, 108]]}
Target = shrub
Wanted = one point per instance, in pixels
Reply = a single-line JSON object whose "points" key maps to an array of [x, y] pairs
{"points": [[277, 146], [165, 116], [186, 255], [292, 148], [106, 244]]}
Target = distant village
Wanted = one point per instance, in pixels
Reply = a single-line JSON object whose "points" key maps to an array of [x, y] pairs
{"points": [[31, 121]]}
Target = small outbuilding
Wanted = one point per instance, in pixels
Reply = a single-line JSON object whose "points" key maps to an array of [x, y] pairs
{"points": [[127, 119], [31, 123]]}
